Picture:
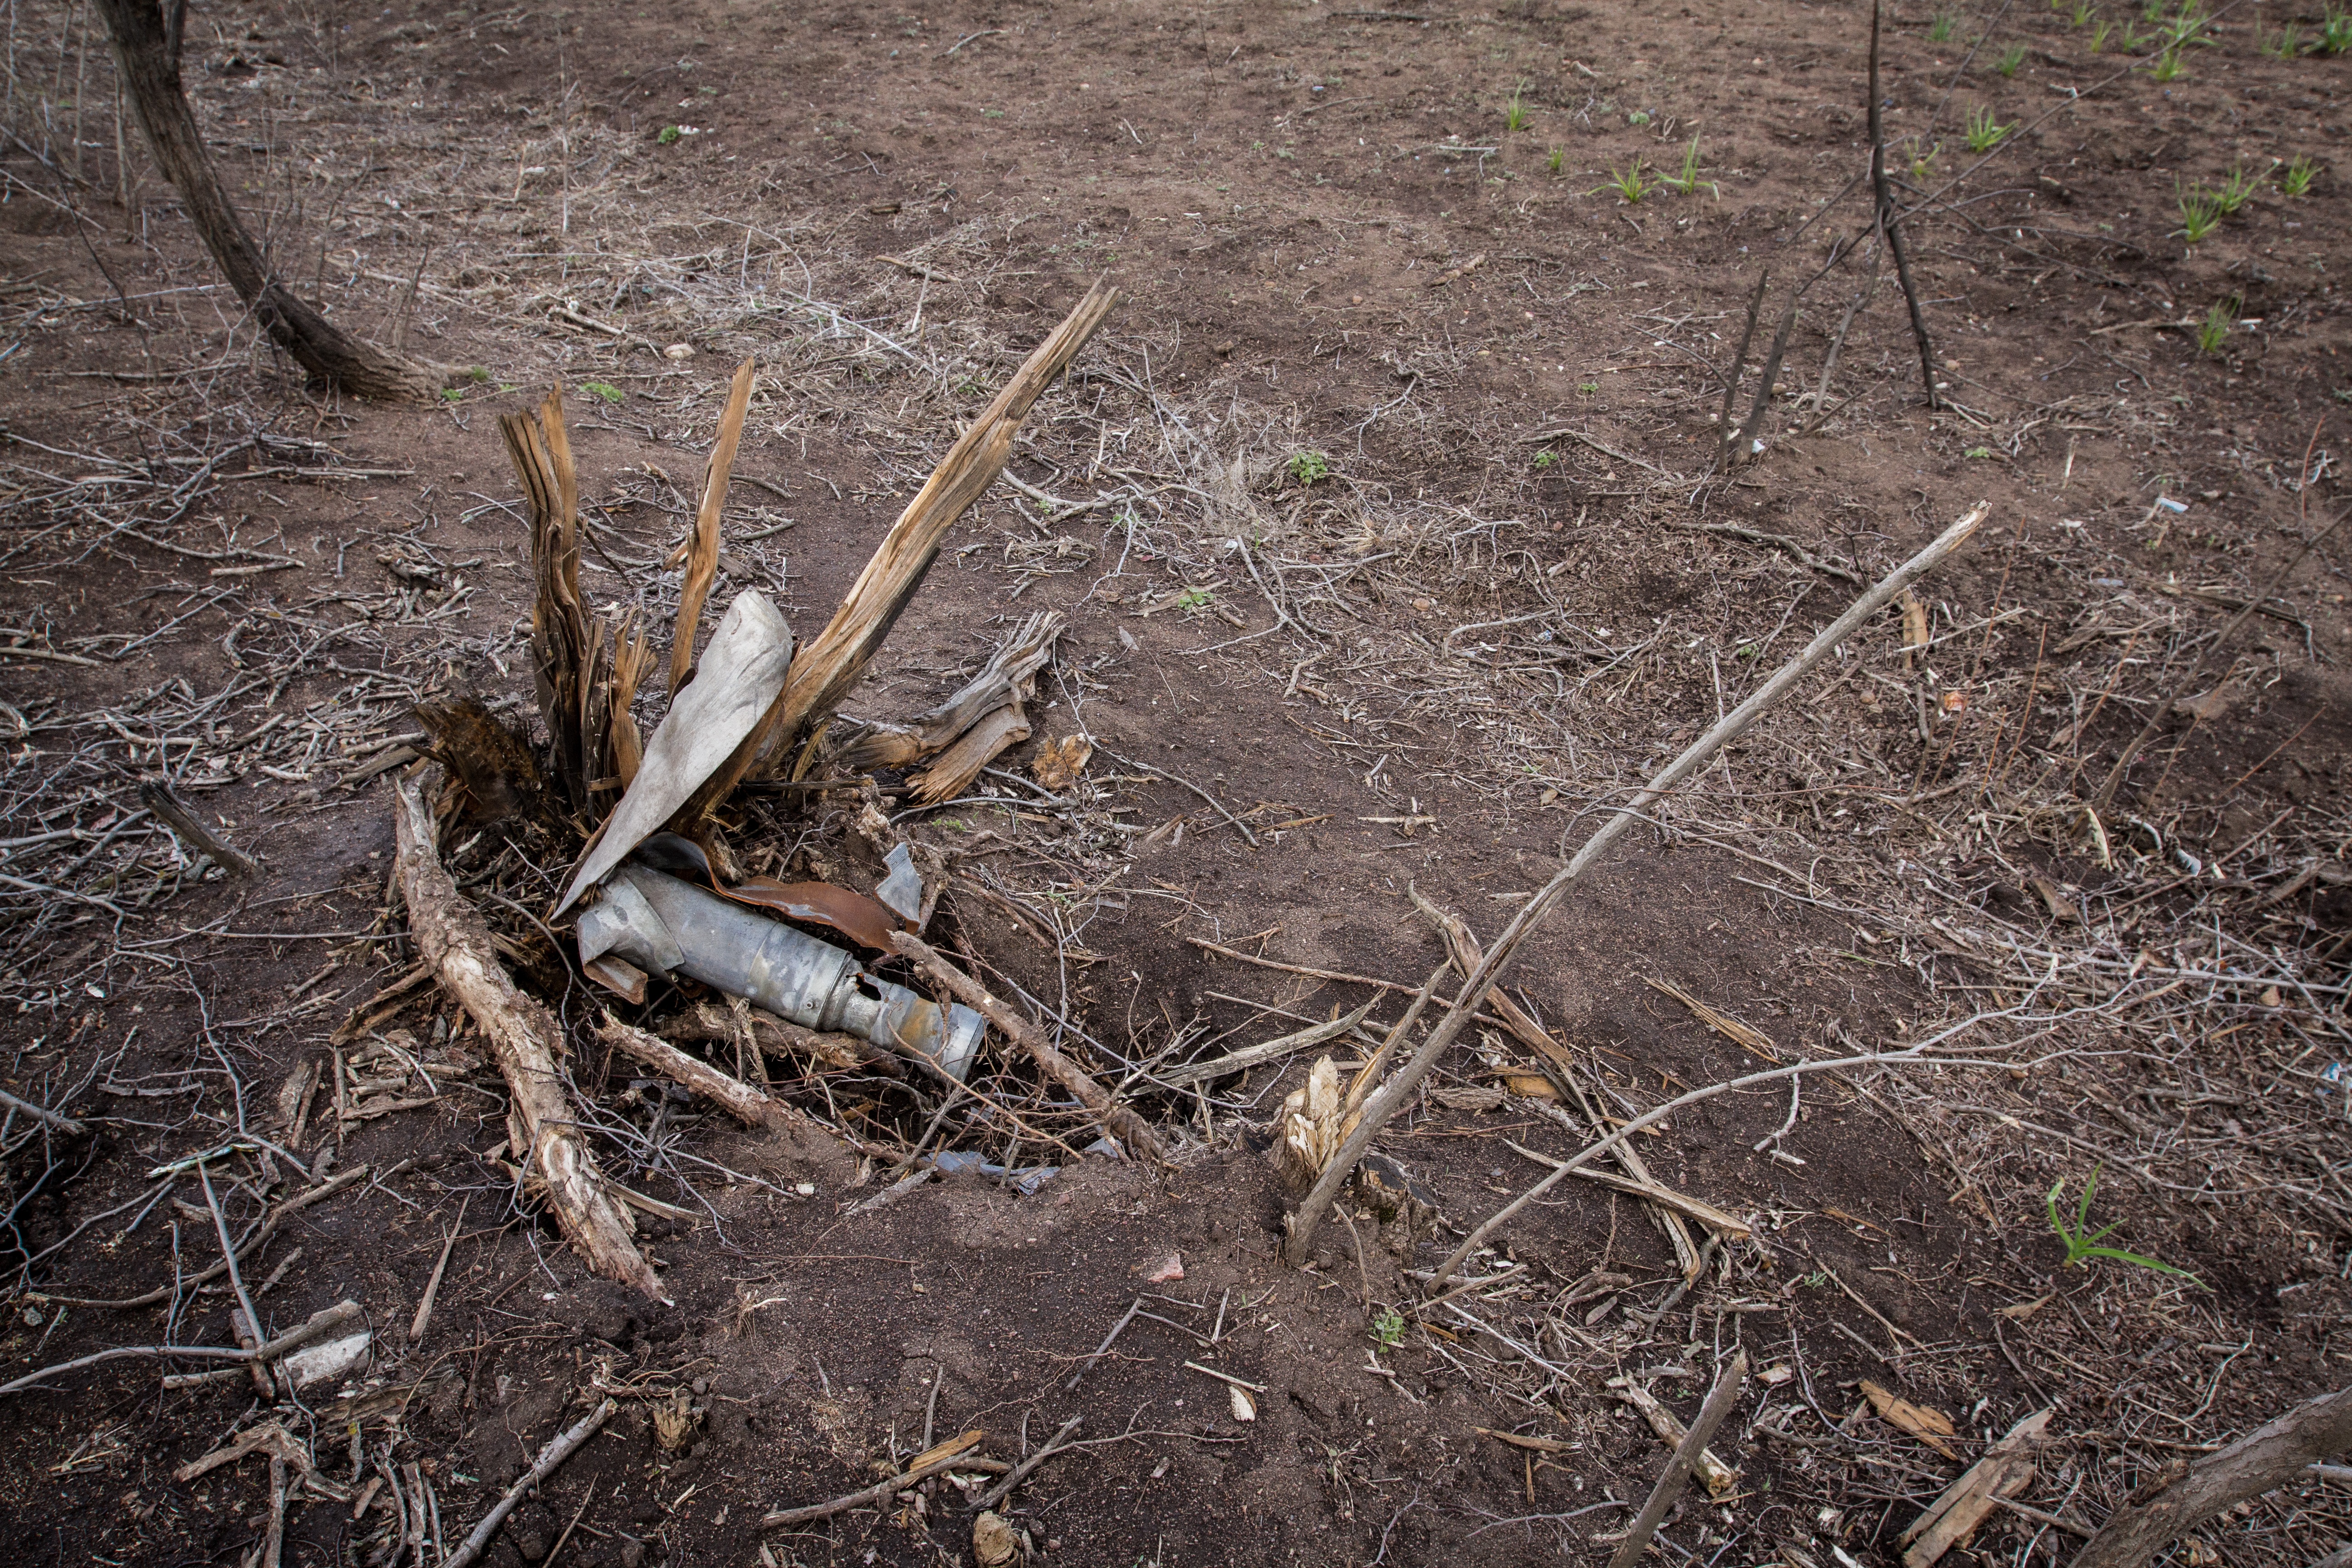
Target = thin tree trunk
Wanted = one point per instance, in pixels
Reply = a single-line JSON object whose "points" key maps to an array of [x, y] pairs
{"points": [[147, 52], [1890, 222], [2267, 1458]]}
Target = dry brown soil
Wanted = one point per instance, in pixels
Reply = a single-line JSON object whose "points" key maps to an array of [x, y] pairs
{"points": [[1410, 552]]}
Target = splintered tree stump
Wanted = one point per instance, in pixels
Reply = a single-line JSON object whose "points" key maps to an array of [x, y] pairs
{"points": [[832, 662], [525, 1040]]}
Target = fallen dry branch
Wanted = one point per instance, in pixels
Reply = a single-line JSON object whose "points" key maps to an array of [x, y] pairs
{"points": [[559, 1448], [1132, 1132], [341, 1181], [2269, 1457], [752, 1107], [525, 1040], [1301, 1223], [1719, 1478], [944, 1457], [1678, 1473], [828, 664]]}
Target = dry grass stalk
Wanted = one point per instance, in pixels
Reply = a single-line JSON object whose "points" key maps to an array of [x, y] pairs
{"points": [[702, 550], [525, 1040], [1747, 1036]]}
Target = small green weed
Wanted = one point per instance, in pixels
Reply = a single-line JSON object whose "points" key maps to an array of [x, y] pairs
{"points": [[2130, 37], [2237, 190], [2215, 330], [1687, 181], [2081, 1240], [955, 823], [1628, 184], [1923, 165], [1546, 458], [2084, 12], [2201, 213], [453, 394], [2334, 33], [2099, 31], [2297, 179], [2166, 67], [1308, 467], [1558, 160], [1588, 387], [1984, 132], [2011, 59], [2188, 25], [478, 374], [604, 389], [1983, 453], [1193, 599], [1388, 1327], [667, 134], [2285, 43], [1940, 29], [1515, 111]]}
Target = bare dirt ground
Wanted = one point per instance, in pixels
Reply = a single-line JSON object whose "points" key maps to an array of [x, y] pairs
{"points": [[1388, 516]]}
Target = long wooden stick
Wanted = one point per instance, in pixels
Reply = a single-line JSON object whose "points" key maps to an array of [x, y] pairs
{"points": [[1118, 1119], [524, 1038], [739, 1099], [1301, 1222], [1719, 1400], [829, 664], [561, 1448], [876, 1492]]}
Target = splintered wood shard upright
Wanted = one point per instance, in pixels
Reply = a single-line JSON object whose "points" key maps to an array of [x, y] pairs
{"points": [[830, 663], [584, 686]]}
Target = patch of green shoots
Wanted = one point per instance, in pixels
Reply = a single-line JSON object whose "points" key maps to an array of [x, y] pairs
{"points": [[2166, 67], [1546, 458], [1628, 184], [604, 389], [1940, 29], [1388, 1327], [1558, 160], [1308, 467], [2215, 330], [2297, 179], [2285, 43], [2334, 33], [478, 374], [2237, 189], [2011, 59], [1923, 165], [1984, 132], [1193, 599], [1515, 111], [2201, 213], [2099, 31], [2084, 12], [667, 134], [2081, 1241], [453, 394], [1687, 181]]}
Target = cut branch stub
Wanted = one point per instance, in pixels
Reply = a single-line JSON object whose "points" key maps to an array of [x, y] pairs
{"points": [[831, 663]]}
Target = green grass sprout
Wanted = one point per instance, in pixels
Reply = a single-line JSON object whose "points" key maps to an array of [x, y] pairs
{"points": [[1984, 132], [2081, 1240]]}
